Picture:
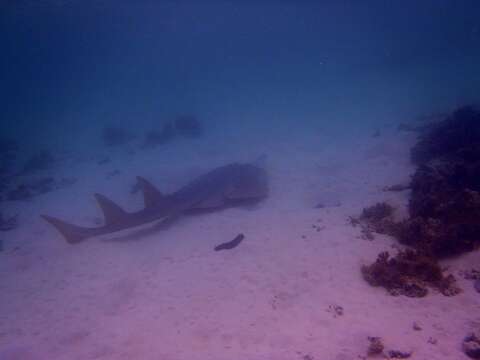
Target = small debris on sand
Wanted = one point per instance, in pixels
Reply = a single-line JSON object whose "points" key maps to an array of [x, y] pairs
{"points": [[336, 310], [397, 354], [375, 347], [416, 327]]}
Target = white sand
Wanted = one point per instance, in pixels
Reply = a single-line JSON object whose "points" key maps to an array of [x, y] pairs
{"points": [[167, 295]]}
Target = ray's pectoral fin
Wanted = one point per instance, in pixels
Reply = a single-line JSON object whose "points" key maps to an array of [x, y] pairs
{"points": [[72, 233]]}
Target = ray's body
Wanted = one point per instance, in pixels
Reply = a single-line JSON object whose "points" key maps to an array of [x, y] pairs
{"points": [[224, 186]]}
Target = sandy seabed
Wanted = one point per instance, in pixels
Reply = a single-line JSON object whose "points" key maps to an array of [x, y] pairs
{"points": [[165, 294]]}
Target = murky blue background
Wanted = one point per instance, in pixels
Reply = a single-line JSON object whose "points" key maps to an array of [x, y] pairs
{"points": [[69, 67]]}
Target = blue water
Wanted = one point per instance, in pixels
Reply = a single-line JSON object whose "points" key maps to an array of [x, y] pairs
{"points": [[317, 88], [70, 66]]}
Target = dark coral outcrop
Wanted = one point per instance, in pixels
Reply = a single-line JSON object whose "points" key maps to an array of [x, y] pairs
{"points": [[444, 209], [409, 273], [444, 205], [379, 219], [456, 136]]}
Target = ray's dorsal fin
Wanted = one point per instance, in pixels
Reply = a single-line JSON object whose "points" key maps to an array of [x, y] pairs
{"points": [[111, 211], [151, 195]]}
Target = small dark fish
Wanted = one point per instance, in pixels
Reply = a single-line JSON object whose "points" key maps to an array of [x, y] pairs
{"points": [[231, 244]]}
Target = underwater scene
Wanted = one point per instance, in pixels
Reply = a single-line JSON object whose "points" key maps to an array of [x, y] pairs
{"points": [[240, 180]]}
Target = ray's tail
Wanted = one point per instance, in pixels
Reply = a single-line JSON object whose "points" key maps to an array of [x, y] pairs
{"points": [[72, 233], [115, 218]]}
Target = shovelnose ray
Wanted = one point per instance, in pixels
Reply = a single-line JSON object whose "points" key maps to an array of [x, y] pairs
{"points": [[224, 186]]}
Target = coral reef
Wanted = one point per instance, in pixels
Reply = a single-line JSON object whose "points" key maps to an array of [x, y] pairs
{"points": [[474, 275], [409, 273], [115, 136], [444, 209], [397, 187], [444, 206], [377, 212], [377, 218], [457, 134]]}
